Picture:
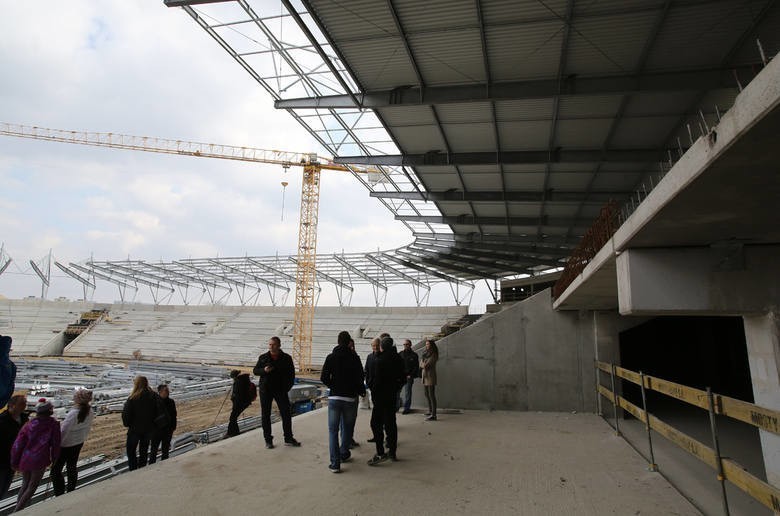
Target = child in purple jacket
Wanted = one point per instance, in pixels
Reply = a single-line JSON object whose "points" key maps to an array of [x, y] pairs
{"points": [[36, 446]]}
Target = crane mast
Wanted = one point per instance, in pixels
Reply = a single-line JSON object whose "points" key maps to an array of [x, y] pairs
{"points": [[310, 199]]}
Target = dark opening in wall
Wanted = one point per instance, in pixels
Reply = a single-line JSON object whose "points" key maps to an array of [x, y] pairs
{"points": [[698, 352]]}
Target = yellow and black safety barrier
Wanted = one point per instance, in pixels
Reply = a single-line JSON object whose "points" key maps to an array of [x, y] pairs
{"points": [[716, 404]]}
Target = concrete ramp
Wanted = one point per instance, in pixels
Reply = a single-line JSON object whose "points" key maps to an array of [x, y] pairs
{"points": [[470, 463]]}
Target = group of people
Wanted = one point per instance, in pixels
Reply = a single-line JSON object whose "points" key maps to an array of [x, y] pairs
{"points": [[385, 373], [29, 446], [150, 418]]}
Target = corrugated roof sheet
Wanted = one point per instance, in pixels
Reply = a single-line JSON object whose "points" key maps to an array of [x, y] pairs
{"points": [[700, 35], [476, 137], [431, 15], [527, 53], [452, 57], [591, 106], [609, 44], [419, 139], [355, 19], [379, 63], [643, 133]]}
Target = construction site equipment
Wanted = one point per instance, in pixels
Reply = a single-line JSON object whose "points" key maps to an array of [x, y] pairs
{"points": [[312, 164]]}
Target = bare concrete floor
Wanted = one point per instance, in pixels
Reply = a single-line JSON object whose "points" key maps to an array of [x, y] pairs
{"points": [[471, 463]]}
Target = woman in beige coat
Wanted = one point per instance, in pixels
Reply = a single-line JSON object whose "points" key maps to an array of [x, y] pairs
{"points": [[429, 358]]}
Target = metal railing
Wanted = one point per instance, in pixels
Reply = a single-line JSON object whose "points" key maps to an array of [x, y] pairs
{"points": [[594, 239], [726, 468]]}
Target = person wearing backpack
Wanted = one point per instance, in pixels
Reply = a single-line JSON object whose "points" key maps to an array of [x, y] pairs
{"points": [[243, 394]]}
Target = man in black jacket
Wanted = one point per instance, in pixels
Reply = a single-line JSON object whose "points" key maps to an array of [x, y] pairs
{"points": [[387, 377], [11, 421], [276, 374], [412, 369], [241, 396], [342, 373]]}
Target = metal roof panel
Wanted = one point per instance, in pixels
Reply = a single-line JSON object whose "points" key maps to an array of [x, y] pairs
{"points": [[453, 57]]}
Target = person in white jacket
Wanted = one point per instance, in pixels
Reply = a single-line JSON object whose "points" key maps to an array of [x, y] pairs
{"points": [[74, 428]]}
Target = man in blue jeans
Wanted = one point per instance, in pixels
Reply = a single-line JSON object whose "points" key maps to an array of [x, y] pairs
{"points": [[342, 373]]}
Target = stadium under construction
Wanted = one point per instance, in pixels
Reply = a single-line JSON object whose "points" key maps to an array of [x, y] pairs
{"points": [[609, 168]]}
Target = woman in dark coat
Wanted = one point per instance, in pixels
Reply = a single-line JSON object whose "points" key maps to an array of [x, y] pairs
{"points": [[138, 416]]}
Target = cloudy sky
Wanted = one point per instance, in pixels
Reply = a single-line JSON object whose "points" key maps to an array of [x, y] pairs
{"points": [[143, 69]]}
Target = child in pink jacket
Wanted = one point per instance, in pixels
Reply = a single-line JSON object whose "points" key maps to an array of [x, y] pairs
{"points": [[36, 446]]}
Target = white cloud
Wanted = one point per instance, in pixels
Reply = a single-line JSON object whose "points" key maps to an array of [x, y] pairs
{"points": [[141, 68]]}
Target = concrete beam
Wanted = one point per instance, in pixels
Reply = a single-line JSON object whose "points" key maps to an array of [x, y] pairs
{"points": [[722, 280]]}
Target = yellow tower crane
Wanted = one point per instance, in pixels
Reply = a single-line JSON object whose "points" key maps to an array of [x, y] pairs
{"points": [[310, 196]]}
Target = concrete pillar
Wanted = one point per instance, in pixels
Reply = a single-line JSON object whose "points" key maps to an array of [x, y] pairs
{"points": [[762, 334]]}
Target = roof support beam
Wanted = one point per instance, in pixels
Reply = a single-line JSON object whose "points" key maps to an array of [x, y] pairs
{"points": [[268, 268], [358, 272], [499, 196], [426, 270], [392, 270], [475, 272], [514, 260], [495, 238], [470, 220], [325, 276], [182, 3], [510, 249], [253, 277], [436, 158], [705, 79]]}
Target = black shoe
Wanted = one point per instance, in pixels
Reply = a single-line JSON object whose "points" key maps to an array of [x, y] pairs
{"points": [[354, 444], [269, 445], [291, 442], [392, 457], [346, 459], [427, 414], [377, 459], [431, 418], [372, 440], [406, 412], [334, 469]]}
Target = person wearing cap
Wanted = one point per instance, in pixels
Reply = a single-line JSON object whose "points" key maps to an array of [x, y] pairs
{"points": [[7, 370], [36, 446], [74, 428], [11, 421]]}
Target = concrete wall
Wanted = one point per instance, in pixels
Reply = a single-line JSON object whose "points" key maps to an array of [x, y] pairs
{"points": [[526, 357]]}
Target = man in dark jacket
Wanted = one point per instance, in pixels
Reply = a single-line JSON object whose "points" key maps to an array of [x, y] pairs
{"points": [[412, 370], [276, 374], [164, 432], [387, 377], [11, 421], [342, 373], [241, 397]]}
